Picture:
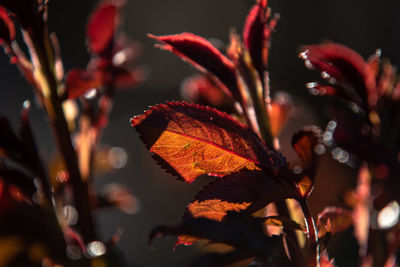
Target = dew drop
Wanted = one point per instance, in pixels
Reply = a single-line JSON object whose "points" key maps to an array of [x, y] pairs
{"points": [[311, 85], [73, 252], [319, 149], [303, 55], [96, 249], [297, 169], [119, 58], [91, 93], [325, 75], [331, 81], [308, 64], [117, 157], [340, 155], [327, 136], [331, 125], [313, 91], [70, 214], [355, 108], [26, 104], [389, 215]]}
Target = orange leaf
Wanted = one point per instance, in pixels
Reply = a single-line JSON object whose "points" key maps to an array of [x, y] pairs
{"points": [[244, 191], [190, 140]]}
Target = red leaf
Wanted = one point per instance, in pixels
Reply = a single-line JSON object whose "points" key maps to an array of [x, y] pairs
{"points": [[102, 25], [190, 140], [257, 35], [7, 29], [345, 66], [79, 82], [204, 56]]}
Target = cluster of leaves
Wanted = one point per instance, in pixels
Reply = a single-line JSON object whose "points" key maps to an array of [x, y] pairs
{"points": [[366, 125], [242, 150], [58, 205], [191, 140]]}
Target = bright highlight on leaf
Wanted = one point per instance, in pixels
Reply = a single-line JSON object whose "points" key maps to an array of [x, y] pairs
{"points": [[191, 140]]}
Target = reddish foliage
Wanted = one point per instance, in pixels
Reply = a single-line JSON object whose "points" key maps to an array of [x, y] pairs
{"points": [[102, 25], [191, 140], [204, 56], [347, 67], [7, 29], [79, 82], [257, 34]]}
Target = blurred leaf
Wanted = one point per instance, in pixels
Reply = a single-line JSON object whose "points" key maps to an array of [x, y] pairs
{"points": [[79, 82], [190, 140], [257, 35], [201, 89], [204, 56], [102, 25], [7, 29], [351, 73], [279, 111]]}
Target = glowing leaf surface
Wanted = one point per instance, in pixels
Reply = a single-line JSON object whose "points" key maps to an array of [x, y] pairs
{"points": [[190, 140]]}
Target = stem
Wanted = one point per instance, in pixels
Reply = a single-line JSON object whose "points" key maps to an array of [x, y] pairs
{"points": [[53, 107], [312, 232]]}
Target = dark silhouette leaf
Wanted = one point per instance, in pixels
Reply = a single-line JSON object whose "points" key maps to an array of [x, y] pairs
{"points": [[240, 230], [244, 191]]}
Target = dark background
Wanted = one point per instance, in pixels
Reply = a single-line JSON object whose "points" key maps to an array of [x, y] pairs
{"points": [[362, 25]]}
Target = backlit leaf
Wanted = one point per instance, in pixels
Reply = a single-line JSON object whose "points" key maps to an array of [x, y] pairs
{"points": [[246, 190], [101, 27], [346, 67], [257, 34], [204, 56], [190, 140]]}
